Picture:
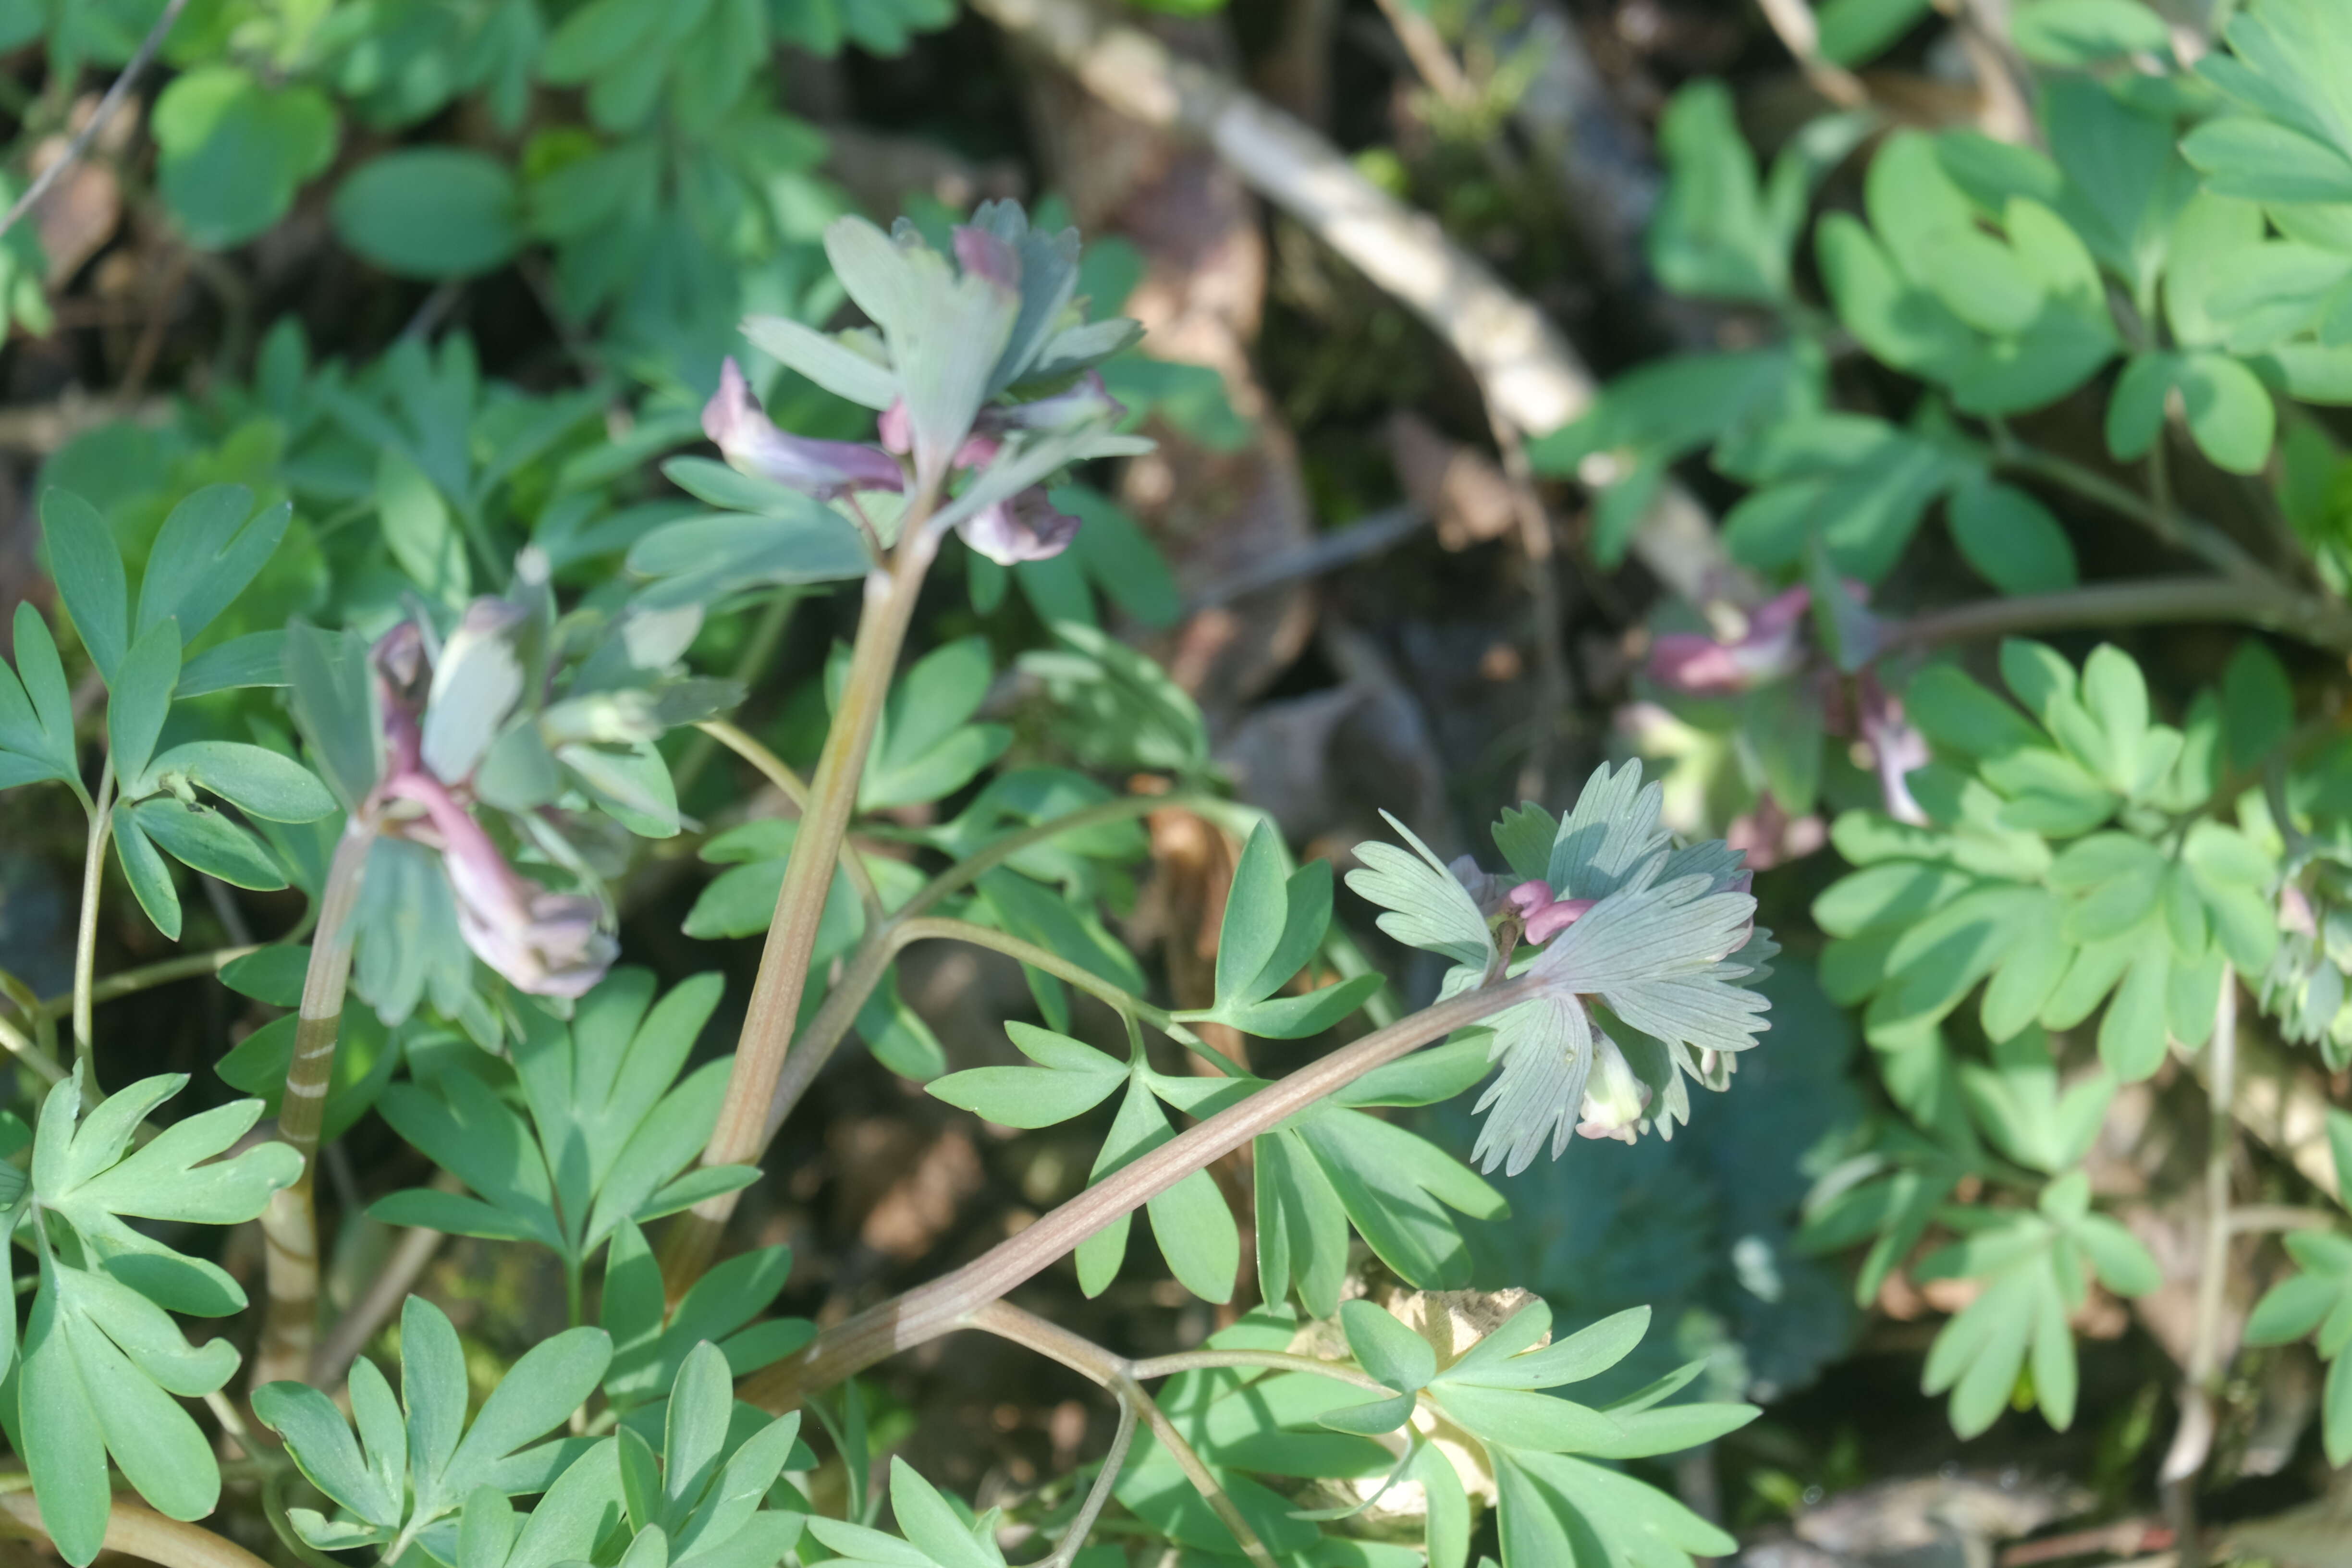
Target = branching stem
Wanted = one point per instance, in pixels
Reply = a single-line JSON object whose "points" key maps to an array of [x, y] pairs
{"points": [[1117, 1373], [949, 1302]]}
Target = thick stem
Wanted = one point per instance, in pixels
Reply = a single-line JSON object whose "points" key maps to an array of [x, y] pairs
{"points": [[137, 1531], [948, 1302], [93, 866], [2192, 1442], [290, 1226], [2273, 607], [741, 1129]]}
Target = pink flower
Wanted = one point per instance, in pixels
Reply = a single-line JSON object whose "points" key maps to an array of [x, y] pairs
{"points": [[545, 942], [1773, 648], [1544, 916], [1026, 527], [750, 442]]}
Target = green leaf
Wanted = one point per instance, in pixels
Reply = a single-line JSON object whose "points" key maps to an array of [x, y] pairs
{"points": [[150, 877], [1386, 1348], [2010, 538], [257, 659], [37, 721], [335, 701], [206, 841], [2085, 32], [1853, 32], [87, 569], [211, 547], [258, 781], [233, 151], [2257, 704], [1069, 1079], [430, 212], [419, 529], [140, 697], [2261, 160], [1194, 1228]]}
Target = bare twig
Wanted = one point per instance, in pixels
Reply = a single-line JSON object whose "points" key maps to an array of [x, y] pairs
{"points": [[107, 108], [1530, 374]]}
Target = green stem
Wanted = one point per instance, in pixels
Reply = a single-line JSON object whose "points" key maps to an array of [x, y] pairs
{"points": [[187, 966], [2320, 622], [2180, 530], [964, 872], [1271, 1360], [823, 1035], [757, 649], [792, 788], [93, 866]]}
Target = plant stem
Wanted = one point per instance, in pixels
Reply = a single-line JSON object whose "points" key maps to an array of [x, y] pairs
{"points": [[831, 1024], [1077, 976], [965, 872], [2192, 1442], [741, 1131], [1117, 1373], [792, 788], [137, 1531], [948, 1302], [757, 649], [1082, 1523], [2176, 529], [187, 966], [290, 1225], [93, 866], [23, 1047], [1269, 1361], [2270, 605]]}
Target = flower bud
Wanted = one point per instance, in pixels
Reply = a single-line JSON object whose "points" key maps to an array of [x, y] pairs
{"points": [[750, 441]]}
